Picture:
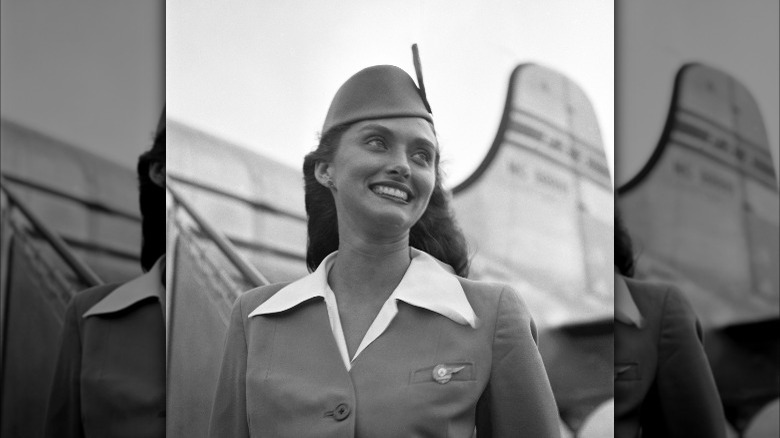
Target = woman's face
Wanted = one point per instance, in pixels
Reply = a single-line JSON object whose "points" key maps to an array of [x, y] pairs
{"points": [[383, 174]]}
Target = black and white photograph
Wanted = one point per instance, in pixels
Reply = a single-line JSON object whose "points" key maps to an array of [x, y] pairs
{"points": [[373, 240], [389, 219]]}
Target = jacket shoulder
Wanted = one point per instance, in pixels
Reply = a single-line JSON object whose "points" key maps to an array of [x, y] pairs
{"points": [[252, 298], [474, 286], [485, 289], [485, 296], [659, 300], [87, 298], [651, 292]]}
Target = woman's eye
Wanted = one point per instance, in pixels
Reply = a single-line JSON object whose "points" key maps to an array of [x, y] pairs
{"points": [[423, 156], [376, 142]]}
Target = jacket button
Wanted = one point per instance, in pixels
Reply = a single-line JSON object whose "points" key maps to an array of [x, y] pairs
{"points": [[341, 412]]}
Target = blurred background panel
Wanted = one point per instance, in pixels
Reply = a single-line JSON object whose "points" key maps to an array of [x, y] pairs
{"points": [[85, 72], [81, 92], [696, 169]]}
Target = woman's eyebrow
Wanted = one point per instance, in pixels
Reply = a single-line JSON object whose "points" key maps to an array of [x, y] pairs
{"points": [[425, 143]]}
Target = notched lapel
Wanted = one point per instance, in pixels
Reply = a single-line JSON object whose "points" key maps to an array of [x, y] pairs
{"points": [[304, 333]]}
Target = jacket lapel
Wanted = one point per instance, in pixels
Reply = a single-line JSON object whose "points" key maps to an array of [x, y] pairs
{"points": [[304, 343]]}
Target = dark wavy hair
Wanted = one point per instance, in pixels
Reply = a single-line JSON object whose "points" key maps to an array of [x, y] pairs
{"points": [[152, 203], [436, 232], [624, 248]]}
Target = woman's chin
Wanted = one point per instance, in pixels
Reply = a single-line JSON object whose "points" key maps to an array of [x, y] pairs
{"points": [[394, 224], [390, 223]]}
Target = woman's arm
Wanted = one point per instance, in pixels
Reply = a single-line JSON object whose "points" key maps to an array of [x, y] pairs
{"points": [[518, 400], [63, 414], [228, 414], [687, 393]]}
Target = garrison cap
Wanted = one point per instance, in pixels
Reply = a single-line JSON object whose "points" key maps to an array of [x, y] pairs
{"points": [[378, 92]]}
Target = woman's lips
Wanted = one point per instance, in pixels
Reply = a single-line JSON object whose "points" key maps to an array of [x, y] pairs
{"points": [[392, 192]]}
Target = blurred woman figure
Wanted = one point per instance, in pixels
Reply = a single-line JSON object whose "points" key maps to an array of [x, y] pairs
{"points": [[110, 376], [386, 337], [663, 382]]}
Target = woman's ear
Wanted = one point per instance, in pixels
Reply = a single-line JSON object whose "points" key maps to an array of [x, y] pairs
{"points": [[157, 173], [322, 172]]}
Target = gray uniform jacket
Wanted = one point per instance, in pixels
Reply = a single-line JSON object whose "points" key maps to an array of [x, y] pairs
{"points": [[282, 374], [663, 382]]}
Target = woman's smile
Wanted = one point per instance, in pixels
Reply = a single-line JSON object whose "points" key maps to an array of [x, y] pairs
{"points": [[394, 192]]}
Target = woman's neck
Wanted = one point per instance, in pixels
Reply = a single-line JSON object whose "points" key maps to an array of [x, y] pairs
{"points": [[370, 269]]}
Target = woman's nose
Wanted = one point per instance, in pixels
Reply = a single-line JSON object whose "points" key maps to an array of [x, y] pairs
{"points": [[399, 166]]}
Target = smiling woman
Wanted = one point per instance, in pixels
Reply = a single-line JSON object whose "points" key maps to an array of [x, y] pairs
{"points": [[386, 337]]}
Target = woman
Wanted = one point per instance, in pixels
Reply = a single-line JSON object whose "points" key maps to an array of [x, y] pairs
{"points": [[663, 382], [385, 338], [110, 375]]}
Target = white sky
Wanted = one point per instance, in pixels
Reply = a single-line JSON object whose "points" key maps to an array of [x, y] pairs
{"points": [[262, 74]]}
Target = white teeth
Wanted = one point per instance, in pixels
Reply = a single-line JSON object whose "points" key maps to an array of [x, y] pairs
{"points": [[389, 191]]}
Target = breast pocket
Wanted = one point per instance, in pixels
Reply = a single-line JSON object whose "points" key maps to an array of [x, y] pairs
{"points": [[444, 373], [440, 395]]}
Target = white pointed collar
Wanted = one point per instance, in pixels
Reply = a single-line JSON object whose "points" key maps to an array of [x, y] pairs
{"points": [[427, 283], [626, 310], [145, 286]]}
